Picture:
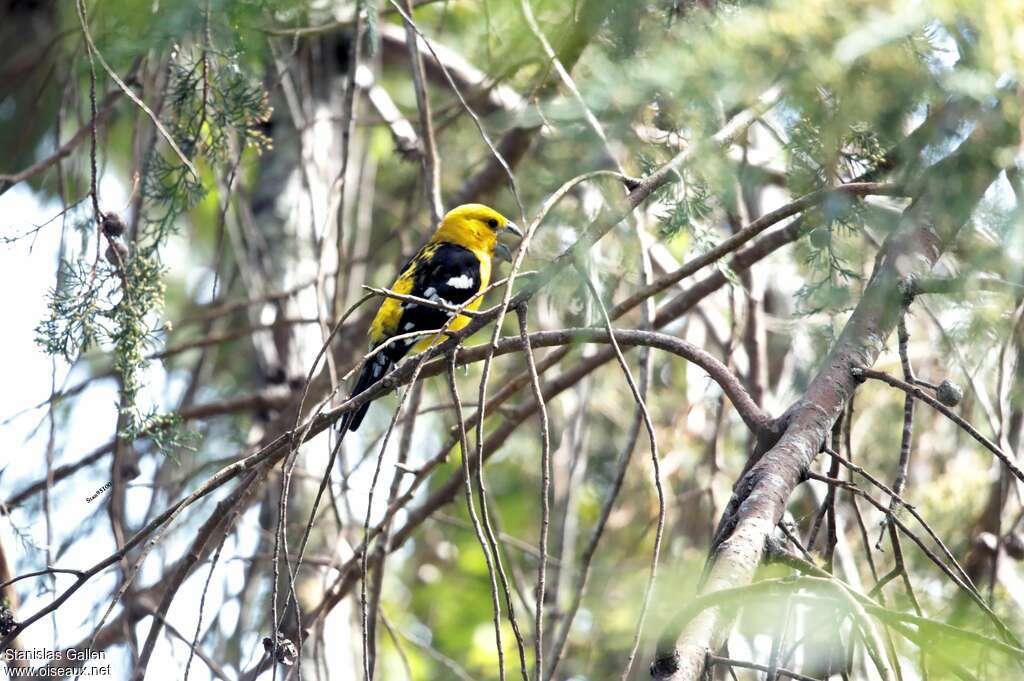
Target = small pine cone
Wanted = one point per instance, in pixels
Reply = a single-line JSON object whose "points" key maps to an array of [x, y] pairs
{"points": [[949, 393], [113, 225], [117, 252]]}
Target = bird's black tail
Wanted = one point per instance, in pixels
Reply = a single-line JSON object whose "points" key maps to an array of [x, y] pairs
{"points": [[378, 365]]}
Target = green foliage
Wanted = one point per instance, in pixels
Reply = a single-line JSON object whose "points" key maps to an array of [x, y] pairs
{"points": [[215, 111], [688, 208], [73, 325], [832, 262], [142, 297]]}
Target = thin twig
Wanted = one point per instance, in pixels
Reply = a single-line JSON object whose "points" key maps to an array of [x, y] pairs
{"points": [[655, 462], [945, 411], [98, 119], [854, 468], [715, 659], [435, 653], [465, 105], [430, 160], [965, 586], [470, 507], [545, 495], [369, 646], [37, 573], [129, 93]]}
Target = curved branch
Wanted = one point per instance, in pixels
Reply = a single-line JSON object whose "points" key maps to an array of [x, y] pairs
{"points": [[277, 448], [753, 416], [678, 306], [515, 144]]}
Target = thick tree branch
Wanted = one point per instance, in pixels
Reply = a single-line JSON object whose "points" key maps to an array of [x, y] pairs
{"points": [[946, 196]]}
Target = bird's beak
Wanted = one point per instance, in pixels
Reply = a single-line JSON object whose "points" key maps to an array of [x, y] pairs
{"points": [[503, 251]]}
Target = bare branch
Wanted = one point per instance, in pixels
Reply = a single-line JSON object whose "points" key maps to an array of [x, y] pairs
{"points": [[431, 163], [918, 393], [106, 107], [130, 94]]}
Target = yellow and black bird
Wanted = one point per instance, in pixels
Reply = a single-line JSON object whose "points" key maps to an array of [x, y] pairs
{"points": [[452, 267]]}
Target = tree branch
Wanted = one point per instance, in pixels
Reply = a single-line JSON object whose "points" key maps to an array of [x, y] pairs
{"points": [[948, 193], [917, 393], [106, 107]]}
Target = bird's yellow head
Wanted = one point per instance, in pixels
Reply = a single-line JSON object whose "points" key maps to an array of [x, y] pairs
{"points": [[476, 227]]}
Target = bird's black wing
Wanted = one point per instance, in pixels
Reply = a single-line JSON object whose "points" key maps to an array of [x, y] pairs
{"points": [[443, 272]]}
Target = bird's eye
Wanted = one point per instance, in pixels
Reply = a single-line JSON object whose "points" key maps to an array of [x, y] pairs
{"points": [[493, 223]]}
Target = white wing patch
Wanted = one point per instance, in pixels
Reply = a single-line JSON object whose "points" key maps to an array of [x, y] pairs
{"points": [[461, 281], [431, 294]]}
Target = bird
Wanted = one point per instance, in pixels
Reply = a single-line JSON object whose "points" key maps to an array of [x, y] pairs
{"points": [[453, 265]]}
